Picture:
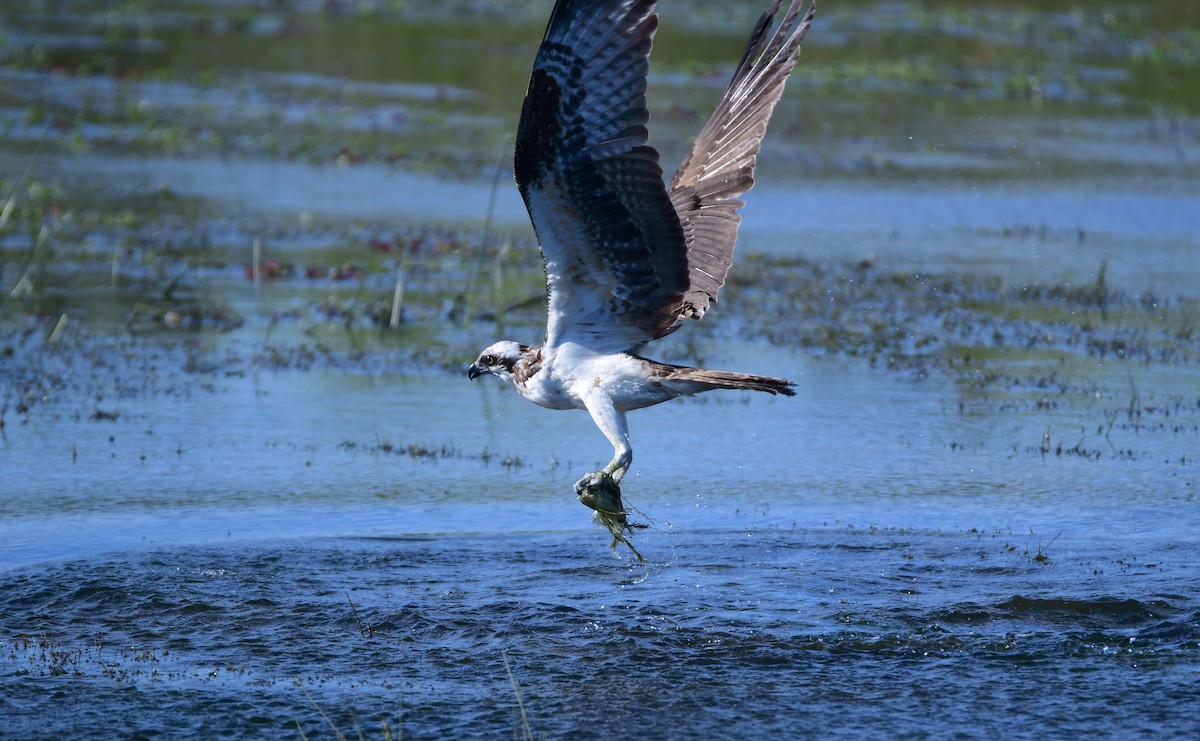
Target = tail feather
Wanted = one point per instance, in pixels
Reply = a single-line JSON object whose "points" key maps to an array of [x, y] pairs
{"points": [[746, 381], [715, 379]]}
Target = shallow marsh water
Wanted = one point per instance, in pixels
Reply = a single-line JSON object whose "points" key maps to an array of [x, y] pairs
{"points": [[231, 505]]}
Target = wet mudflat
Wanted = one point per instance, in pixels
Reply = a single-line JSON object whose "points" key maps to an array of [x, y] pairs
{"points": [[247, 490]]}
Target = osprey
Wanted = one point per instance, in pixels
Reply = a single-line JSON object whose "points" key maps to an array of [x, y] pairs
{"points": [[628, 259]]}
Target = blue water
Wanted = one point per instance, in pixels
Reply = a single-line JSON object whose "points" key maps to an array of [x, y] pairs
{"points": [[241, 561], [729, 633], [197, 544]]}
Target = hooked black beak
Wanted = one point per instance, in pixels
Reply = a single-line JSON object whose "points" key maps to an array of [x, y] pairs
{"points": [[474, 372]]}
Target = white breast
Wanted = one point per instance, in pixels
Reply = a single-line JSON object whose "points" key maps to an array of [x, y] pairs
{"points": [[574, 372]]}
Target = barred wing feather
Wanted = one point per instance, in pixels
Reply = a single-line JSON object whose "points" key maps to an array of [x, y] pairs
{"points": [[720, 165], [611, 240]]}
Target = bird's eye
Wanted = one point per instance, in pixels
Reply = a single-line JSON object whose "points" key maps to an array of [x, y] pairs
{"points": [[489, 359]]}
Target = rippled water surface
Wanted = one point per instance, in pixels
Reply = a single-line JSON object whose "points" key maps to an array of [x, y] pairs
{"points": [[834, 566], [736, 632], [246, 490]]}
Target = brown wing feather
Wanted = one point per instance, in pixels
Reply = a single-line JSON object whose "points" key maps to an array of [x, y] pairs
{"points": [[720, 165]]}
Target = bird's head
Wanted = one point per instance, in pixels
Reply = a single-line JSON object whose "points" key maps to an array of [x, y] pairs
{"points": [[497, 359]]}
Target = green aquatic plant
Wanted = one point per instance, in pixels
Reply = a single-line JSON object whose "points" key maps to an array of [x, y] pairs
{"points": [[35, 203], [604, 497], [337, 733], [1042, 557], [526, 732], [472, 292]]}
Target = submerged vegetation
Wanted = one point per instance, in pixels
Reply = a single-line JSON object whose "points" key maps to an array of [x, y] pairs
{"points": [[162, 320], [958, 322]]}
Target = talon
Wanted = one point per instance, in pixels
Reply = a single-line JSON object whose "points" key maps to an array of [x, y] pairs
{"points": [[601, 492], [589, 481]]}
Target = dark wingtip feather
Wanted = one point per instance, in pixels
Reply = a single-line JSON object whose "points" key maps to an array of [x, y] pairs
{"points": [[720, 165]]}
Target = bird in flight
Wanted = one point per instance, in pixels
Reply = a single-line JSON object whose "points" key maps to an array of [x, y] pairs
{"points": [[627, 258]]}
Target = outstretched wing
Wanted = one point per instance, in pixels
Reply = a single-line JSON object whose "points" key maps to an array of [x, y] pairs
{"points": [[720, 165], [611, 240]]}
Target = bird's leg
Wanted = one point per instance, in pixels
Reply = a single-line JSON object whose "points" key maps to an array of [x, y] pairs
{"points": [[622, 459], [601, 490], [607, 479]]}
